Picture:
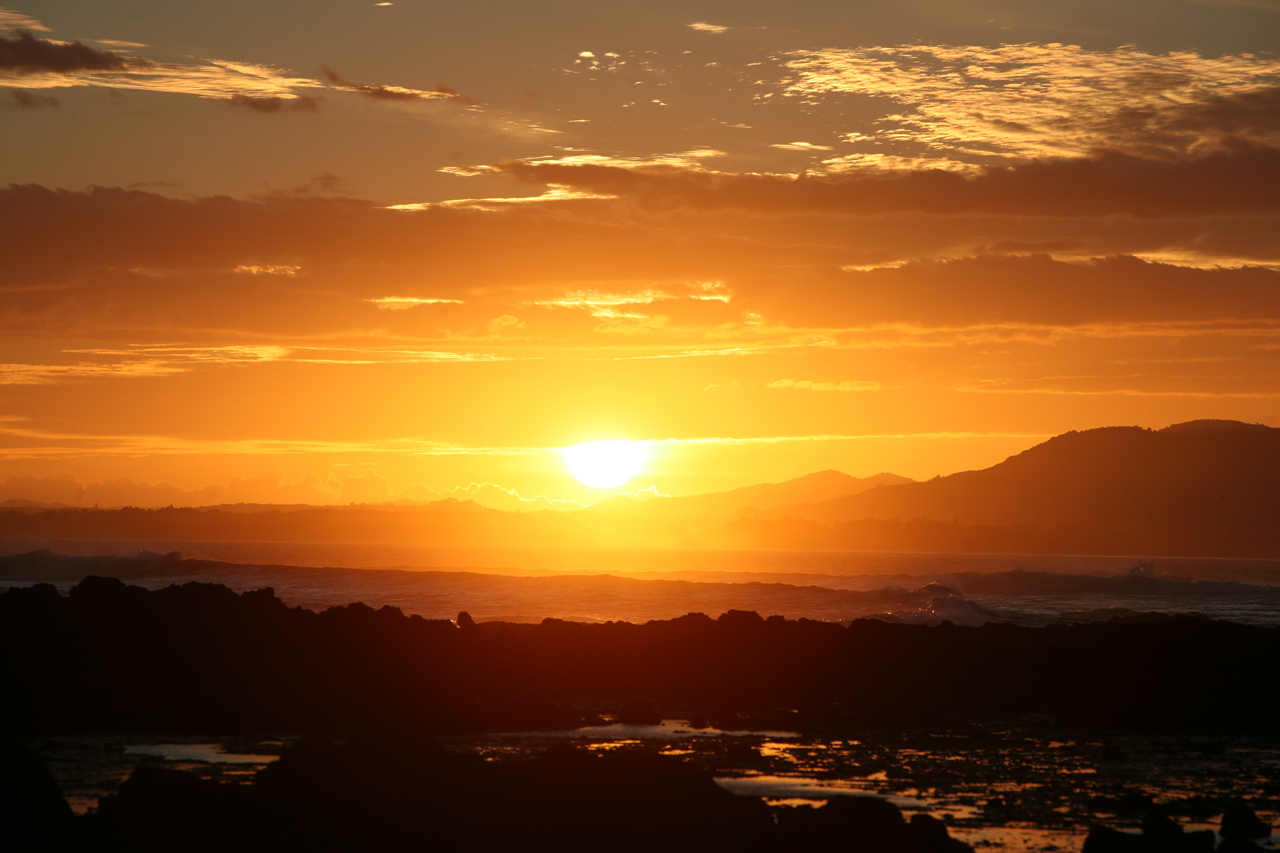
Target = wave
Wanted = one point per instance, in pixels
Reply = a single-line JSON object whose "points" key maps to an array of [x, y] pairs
{"points": [[972, 599]]}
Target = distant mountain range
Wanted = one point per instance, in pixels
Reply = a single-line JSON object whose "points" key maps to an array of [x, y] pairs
{"points": [[822, 486], [1210, 484], [1204, 488]]}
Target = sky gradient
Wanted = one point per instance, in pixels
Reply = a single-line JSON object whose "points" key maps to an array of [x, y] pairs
{"points": [[340, 251]]}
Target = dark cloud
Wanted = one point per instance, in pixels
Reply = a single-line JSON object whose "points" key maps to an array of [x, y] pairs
{"points": [[25, 53], [1065, 244], [325, 183], [299, 104], [1245, 114], [393, 93], [1244, 178], [24, 100], [449, 92], [113, 261], [1034, 290]]}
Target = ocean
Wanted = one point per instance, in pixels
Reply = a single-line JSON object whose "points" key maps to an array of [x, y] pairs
{"points": [[1000, 786], [601, 584]]}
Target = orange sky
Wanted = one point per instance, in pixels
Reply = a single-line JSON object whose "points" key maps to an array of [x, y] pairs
{"points": [[340, 251]]}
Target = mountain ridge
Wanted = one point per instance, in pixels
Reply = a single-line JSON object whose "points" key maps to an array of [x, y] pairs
{"points": [[762, 496], [1202, 478]]}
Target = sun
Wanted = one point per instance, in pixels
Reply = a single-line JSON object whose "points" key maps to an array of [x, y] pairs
{"points": [[605, 464]]}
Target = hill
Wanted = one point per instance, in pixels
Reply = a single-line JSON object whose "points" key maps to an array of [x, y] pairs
{"points": [[1208, 486], [749, 500]]}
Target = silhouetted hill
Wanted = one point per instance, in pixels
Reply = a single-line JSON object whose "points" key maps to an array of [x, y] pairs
{"points": [[24, 505], [1204, 486], [819, 486]]}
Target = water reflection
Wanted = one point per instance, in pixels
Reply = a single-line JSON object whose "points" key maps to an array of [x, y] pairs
{"points": [[208, 753]]}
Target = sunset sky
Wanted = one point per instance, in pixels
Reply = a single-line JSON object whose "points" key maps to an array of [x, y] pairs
{"points": [[347, 251]]}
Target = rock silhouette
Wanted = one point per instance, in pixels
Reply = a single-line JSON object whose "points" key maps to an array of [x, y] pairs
{"points": [[1160, 834], [199, 657], [33, 815], [1239, 821], [372, 795]]}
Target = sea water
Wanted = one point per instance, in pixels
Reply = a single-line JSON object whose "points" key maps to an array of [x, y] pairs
{"points": [[529, 584]]}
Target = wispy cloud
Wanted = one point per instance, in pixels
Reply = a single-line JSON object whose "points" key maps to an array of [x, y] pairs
{"points": [[219, 355], [146, 360], [41, 63], [603, 304], [807, 385], [786, 439], [51, 374], [11, 20], [1134, 385], [801, 146], [276, 104], [403, 303], [27, 54], [704, 27], [26, 442], [1244, 178], [1046, 100], [214, 79], [21, 99], [19, 441], [267, 269], [379, 92]]}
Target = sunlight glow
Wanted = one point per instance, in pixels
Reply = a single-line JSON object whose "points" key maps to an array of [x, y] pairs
{"points": [[605, 464]]}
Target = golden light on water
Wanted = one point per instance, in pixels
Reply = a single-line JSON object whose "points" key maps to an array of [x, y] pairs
{"points": [[605, 464]]}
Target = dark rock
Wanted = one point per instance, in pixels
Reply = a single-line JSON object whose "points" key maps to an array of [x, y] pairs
{"points": [[1104, 839], [638, 713], [1239, 821], [33, 814], [1238, 845], [1159, 828], [1195, 841], [930, 834]]}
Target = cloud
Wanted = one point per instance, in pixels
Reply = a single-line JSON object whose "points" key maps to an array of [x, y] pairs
{"points": [[393, 93], [26, 53], [367, 486], [24, 100], [806, 385], [18, 441], [1210, 388], [806, 439], [41, 63], [11, 20], [267, 269], [1023, 297], [140, 361], [704, 27], [403, 303], [801, 146], [1245, 178], [159, 271], [603, 304], [215, 79], [267, 487], [276, 103], [496, 497], [50, 374], [646, 494], [1028, 101], [505, 323]]}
